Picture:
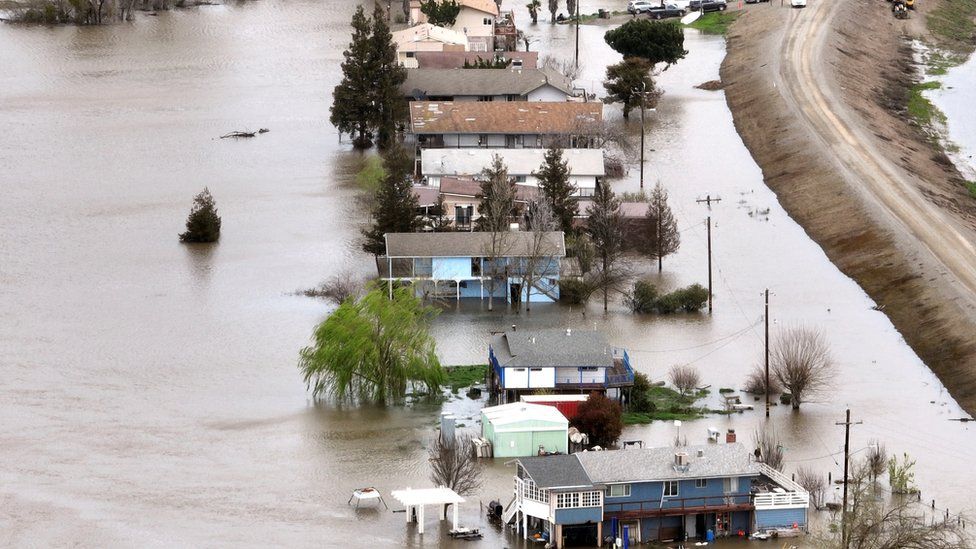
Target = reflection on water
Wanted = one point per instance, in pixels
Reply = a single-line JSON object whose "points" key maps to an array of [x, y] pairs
{"points": [[150, 395]]}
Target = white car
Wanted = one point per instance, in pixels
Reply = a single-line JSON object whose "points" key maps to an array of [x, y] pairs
{"points": [[798, 3], [638, 6]]}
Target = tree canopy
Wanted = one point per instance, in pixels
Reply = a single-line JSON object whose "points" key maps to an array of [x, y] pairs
{"points": [[657, 42], [394, 206], [372, 348], [556, 188], [442, 13], [662, 237], [391, 110], [600, 418], [627, 80], [203, 223], [605, 227]]}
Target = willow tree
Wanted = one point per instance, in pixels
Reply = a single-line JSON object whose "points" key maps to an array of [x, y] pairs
{"points": [[373, 348]]}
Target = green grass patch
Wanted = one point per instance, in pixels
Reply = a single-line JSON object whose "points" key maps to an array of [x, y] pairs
{"points": [[920, 108], [640, 418], [724, 390], [665, 404], [716, 22], [953, 26], [457, 377], [971, 187]]}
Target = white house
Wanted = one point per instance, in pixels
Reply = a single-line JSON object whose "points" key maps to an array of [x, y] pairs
{"points": [[426, 38], [585, 165], [476, 21], [509, 84]]}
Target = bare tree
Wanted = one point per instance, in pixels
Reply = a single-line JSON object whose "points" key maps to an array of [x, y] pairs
{"points": [[497, 204], [814, 483], [337, 289], [876, 459], [662, 237], [756, 382], [565, 67], [801, 362], [605, 133], [685, 377], [453, 465], [769, 447], [541, 260]]}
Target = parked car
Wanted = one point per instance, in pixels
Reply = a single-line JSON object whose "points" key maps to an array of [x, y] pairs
{"points": [[708, 5], [638, 6], [755, 1], [667, 10], [798, 3]]}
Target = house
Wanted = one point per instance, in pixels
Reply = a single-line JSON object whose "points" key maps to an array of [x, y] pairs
{"points": [[658, 494], [426, 38], [475, 20], [508, 124], [520, 429], [511, 84], [460, 197], [556, 361], [457, 59], [585, 165], [456, 264]]}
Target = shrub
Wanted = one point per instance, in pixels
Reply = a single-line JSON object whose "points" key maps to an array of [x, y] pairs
{"points": [[601, 419], [756, 382], [575, 291], [643, 298], [685, 377], [639, 399], [693, 298], [668, 303], [203, 223]]}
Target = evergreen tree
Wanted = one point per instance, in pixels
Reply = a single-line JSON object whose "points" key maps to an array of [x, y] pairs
{"points": [[390, 107], [556, 188], [654, 41], [553, 8], [442, 13], [606, 228], [352, 100], [394, 206], [625, 82], [203, 223], [497, 197], [662, 237]]}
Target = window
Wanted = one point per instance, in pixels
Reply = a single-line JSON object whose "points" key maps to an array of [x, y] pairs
{"points": [[590, 499], [516, 63], [670, 488], [619, 491], [535, 369], [475, 266], [566, 501], [701, 482], [520, 179], [486, 21]]}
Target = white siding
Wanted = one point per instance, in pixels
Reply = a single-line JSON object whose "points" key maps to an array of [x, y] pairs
{"points": [[516, 378], [547, 93], [541, 378]]}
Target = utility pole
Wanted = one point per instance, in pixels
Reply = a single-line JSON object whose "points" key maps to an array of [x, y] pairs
{"points": [[643, 95], [767, 352], [709, 223], [576, 56], [847, 458]]}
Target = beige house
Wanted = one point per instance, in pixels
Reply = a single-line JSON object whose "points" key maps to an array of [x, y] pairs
{"points": [[476, 21], [426, 38]]}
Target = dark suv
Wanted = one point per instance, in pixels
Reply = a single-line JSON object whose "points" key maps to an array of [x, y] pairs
{"points": [[707, 5]]}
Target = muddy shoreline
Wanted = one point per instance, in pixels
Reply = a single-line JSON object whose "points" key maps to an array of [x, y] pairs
{"points": [[865, 64]]}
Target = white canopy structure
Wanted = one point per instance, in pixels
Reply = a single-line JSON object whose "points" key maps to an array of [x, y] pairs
{"points": [[415, 500]]}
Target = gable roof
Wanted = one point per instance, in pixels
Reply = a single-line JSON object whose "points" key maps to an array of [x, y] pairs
{"points": [[472, 161], [506, 414], [486, 6], [456, 59], [472, 82], [515, 117], [427, 32], [468, 187], [552, 347], [468, 244], [657, 464], [555, 472]]}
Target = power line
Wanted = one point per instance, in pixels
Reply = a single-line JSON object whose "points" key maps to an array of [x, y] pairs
{"points": [[699, 346]]}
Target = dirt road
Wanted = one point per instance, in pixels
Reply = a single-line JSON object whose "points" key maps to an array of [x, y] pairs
{"points": [[816, 94]]}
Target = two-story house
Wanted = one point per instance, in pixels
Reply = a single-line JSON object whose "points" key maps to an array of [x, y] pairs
{"points": [[461, 264], [556, 360], [460, 197], [656, 494], [510, 84], [425, 37], [475, 20]]}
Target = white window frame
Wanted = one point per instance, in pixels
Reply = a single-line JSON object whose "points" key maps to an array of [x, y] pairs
{"points": [[590, 499], [567, 500], [669, 484], [701, 482], [624, 491]]}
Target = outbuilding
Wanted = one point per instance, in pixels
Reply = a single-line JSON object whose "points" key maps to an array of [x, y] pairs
{"points": [[522, 429]]}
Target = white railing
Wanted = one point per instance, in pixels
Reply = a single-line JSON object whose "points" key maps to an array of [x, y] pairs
{"points": [[526, 489], [793, 495]]}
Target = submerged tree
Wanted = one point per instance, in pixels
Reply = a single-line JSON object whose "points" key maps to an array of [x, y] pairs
{"points": [[533, 7], [815, 484], [656, 42], [801, 362], [553, 8], [627, 82], [390, 109], [557, 190], [453, 465], [352, 100], [442, 13], [662, 237], [203, 223], [685, 378], [606, 229], [541, 259], [394, 208], [769, 447], [372, 348]]}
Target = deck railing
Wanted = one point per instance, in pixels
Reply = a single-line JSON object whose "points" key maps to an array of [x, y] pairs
{"points": [[679, 505]]}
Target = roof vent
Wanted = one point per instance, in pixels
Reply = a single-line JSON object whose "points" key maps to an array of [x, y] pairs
{"points": [[569, 332], [701, 453]]}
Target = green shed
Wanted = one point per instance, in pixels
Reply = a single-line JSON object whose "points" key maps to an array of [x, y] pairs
{"points": [[521, 429]]}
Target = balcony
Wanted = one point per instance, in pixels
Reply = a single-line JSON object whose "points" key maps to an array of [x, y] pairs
{"points": [[679, 506]]}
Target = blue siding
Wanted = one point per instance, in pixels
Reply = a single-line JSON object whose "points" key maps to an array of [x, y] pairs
{"points": [[650, 494], [451, 268], [741, 522], [578, 516], [780, 518]]}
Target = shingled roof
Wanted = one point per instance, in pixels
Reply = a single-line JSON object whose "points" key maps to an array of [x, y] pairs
{"points": [[472, 161], [514, 117], [552, 348], [655, 464], [555, 472], [470, 82], [468, 244], [456, 59]]}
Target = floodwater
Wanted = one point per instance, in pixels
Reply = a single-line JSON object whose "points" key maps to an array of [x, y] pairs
{"points": [[955, 99], [149, 389]]}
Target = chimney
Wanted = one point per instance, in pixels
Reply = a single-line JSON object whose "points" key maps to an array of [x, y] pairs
{"points": [[681, 459], [701, 453], [730, 436]]}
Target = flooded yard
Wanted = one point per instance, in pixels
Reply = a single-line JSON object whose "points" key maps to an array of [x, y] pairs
{"points": [[150, 393]]}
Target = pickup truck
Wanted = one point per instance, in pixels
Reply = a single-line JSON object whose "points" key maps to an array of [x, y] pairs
{"points": [[667, 10], [707, 5]]}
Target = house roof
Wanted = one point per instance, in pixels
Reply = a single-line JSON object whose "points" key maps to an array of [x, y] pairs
{"points": [[506, 414], [582, 162], [427, 32], [456, 59], [656, 464], [554, 472], [470, 82], [486, 6], [552, 347], [426, 195], [505, 117], [468, 244], [465, 186], [633, 209]]}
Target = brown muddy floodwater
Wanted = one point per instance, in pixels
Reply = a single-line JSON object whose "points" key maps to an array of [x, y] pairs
{"points": [[149, 389]]}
